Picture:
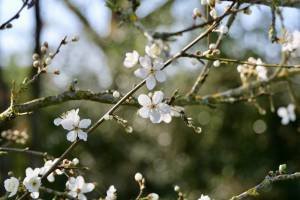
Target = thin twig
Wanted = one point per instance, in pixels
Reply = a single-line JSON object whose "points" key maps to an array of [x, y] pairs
{"points": [[7, 24], [230, 60], [204, 72], [27, 151], [56, 193], [269, 180], [167, 35]]}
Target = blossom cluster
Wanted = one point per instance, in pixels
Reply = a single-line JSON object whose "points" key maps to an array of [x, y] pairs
{"points": [[287, 114], [76, 187], [253, 69], [71, 122], [153, 105], [151, 65], [16, 136], [292, 44]]}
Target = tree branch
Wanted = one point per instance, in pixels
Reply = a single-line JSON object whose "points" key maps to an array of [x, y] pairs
{"points": [[269, 180], [8, 24], [204, 72], [228, 96], [285, 3], [27, 151]]}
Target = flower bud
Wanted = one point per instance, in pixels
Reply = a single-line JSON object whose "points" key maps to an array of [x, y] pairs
{"points": [[48, 61], [35, 56], [36, 64], [138, 177]]}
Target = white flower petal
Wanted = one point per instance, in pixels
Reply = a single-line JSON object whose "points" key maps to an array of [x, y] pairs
{"points": [[144, 100], [141, 73], [84, 123], [88, 187], [35, 195], [79, 181], [157, 97], [285, 120], [282, 112], [150, 82], [81, 197], [72, 194], [160, 76], [158, 64], [167, 118], [154, 116], [67, 124], [144, 112], [71, 136], [82, 135], [51, 177], [145, 62], [57, 121], [164, 108]]}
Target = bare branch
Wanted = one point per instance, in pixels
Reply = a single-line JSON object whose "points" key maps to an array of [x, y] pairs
{"points": [[269, 180], [8, 24], [285, 3], [204, 73], [27, 151]]}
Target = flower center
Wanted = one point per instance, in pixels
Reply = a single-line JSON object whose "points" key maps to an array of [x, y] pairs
{"points": [[152, 71]]}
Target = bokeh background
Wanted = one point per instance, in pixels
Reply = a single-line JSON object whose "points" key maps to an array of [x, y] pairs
{"points": [[238, 145]]}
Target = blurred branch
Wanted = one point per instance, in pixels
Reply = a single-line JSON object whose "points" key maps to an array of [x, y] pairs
{"points": [[8, 24], [268, 181], [230, 60], [204, 73], [228, 96], [86, 24], [27, 151], [56, 193], [166, 35], [237, 94], [286, 3]]}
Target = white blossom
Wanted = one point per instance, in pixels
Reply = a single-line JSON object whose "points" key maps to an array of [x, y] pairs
{"points": [[292, 44], [196, 13], [111, 193], [176, 188], [71, 122], [153, 196], [138, 177], [75, 161], [116, 94], [47, 166], [77, 187], [287, 114], [261, 70], [32, 182], [216, 63], [153, 107], [212, 46], [131, 59], [213, 13], [153, 50], [11, 185], [151, 71], [204, 197]]}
